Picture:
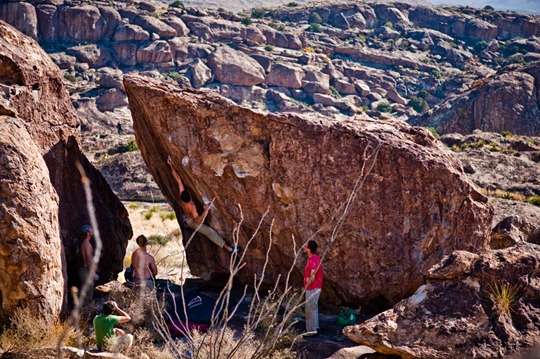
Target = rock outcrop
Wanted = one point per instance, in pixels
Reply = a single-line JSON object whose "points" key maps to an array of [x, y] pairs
{"points": [[35, 97], [412, 205], [463, 309], [507, 101], [31, 260]]}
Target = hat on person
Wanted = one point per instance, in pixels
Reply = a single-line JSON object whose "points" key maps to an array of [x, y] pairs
{"points": [[86, 228]]}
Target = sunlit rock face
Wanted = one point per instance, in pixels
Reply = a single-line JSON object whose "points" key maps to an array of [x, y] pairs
{"points": [[384, 200]]}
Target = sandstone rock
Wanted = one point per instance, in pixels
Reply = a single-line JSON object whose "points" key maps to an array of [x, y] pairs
{"points": [[63, 61], [178, 25], [154, 25], [81, 23], [20, 15], [33, 268], [129, 32], [110, 78], [316, 82], [235, 68], [264, 61], [198, 73], [344, 87], [126, 53], [459, 315], [182, 49], [37, 95], [110, 99], [260, 161], [93, 55], [110, 20], [328, 100], [504, 102], [276, 38], [47, 16], [154, 52], [452, 24], [285, 75], [208, 28]]}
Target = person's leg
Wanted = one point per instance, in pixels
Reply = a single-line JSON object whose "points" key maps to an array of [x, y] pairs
{"points": [[312, 315], [207, 231]]}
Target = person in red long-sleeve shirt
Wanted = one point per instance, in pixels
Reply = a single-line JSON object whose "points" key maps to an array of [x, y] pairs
{"points": [[313, 280]]}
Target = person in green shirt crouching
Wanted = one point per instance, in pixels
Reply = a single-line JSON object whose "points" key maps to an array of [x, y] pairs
{"points": [[107, 336]]}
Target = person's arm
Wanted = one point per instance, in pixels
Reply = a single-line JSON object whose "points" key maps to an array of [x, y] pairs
{"points": [[200, 218], [176, 176], [124, 317], [152, 265]]}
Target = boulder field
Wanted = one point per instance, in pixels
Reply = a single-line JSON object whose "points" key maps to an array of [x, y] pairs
{"points": [[385, 201]]}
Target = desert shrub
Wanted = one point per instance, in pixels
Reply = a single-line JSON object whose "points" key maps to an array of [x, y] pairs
{"points": [[281, 28], [389, 25], [433, 132], [418, 104], [292, 4], [172, 74], [154, 209], [308, 49], [436, 73], [315, 27], [157, 239], [335, 92], [269, 48], [422, 94], [478, 144], [167, 215], [246, 20], [133, 206], [535, 200], [177, 4], [384, 107], [131, 146], [488, 8], [503, 296], [273, 25], [258, 13], [480, 46], [506, 134], [70, 78], [220, 10], [147, 215], [315, 18]]}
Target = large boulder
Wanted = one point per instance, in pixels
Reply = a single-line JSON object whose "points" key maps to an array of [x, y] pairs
{"points": [[36, 95], [507, 101], [20, 15], [384, 201], [461, 310], [33, 271], [235, 68]]}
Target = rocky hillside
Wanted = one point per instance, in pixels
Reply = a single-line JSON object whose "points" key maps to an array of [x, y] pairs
{"points": [[337, 59]]}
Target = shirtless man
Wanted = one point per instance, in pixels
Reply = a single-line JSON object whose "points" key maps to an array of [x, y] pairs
{"points": [[194, 219], [144, 265], [87, 257]]}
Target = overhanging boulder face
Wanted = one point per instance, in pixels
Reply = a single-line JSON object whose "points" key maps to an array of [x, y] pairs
{"points": [[35, 110], [412, 204]]}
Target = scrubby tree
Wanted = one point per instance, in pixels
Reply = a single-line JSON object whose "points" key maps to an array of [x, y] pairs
{"points": [[315, 18], [419, 104]]}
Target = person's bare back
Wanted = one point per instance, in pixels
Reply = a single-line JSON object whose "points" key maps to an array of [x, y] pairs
{"points": [[144, 264]]}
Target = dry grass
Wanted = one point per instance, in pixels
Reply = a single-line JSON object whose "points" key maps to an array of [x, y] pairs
{"points": [[503, 296], [498, 193], [28, 332]]}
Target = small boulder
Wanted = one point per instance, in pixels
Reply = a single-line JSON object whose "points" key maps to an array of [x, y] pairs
{"points": [[235, 68]]}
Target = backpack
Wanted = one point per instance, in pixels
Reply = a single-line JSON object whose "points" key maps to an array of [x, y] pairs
{"points": [[128, 274], [346, 317]]}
